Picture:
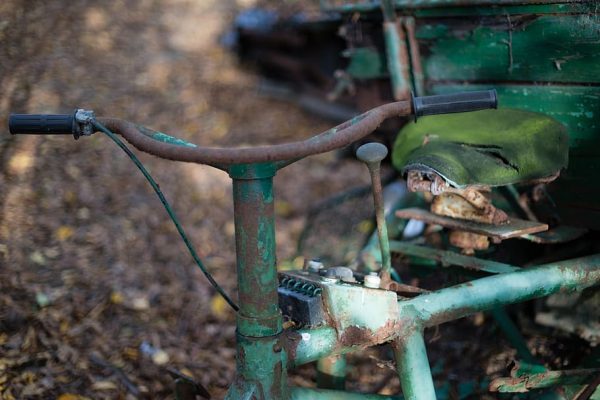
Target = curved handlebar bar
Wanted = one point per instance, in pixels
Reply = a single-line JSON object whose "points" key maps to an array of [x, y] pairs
{"points": [[340, 136]]}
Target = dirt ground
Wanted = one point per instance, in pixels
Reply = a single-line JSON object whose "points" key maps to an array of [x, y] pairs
{"points": [[98, 295]]}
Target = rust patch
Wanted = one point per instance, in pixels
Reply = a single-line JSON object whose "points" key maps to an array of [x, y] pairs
{"points": [[276, 392], [290, 340], [365, 337]]}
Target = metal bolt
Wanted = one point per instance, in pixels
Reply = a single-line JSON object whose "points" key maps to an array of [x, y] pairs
{"points": [[315, 266], [329, 279], [372, 280], [372, 154]]}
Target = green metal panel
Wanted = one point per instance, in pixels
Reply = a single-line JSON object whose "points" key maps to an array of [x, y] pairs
{"points": [[498, 9], [548, 48], [350, 308], [366, 63], [458, 6]]}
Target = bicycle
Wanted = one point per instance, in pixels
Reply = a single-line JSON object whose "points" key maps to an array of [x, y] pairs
{"points": [[342, 311]]}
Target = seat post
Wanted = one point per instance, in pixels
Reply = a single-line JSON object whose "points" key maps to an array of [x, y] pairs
{"points": [[261, 360]]}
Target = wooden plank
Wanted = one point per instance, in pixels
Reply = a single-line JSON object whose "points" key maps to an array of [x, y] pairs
{"points": [[514, 228], [546, 48]]}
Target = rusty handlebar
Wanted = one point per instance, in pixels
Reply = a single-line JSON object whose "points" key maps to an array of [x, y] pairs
{"points": [[334, 138]]}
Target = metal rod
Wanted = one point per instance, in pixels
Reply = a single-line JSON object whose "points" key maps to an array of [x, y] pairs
{"points": [[261, 370], [372, 154], [308, 345], [494, 291], [253, 206], [413, 366], [299, 393], [396, 51]]}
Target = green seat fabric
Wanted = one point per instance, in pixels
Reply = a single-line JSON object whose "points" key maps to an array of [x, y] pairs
{"points": [[489, 147]]}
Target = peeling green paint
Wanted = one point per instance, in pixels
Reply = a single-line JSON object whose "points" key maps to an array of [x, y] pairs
{"points": [[488, 147]]}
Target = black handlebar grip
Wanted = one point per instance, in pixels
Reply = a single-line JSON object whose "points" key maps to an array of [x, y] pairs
{"points": [[42, 124], [454, 103]]}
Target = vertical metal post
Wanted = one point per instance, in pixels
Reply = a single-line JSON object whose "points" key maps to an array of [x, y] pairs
{"points": [[331, 372], [261, 360], [413, 366], [397, 52], [372, 154]]}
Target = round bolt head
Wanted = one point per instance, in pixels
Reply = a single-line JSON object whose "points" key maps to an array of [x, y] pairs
{"points": [[371, 152]]}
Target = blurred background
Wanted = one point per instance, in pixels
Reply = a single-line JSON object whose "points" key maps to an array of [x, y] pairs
{"points": [[98, 295]]}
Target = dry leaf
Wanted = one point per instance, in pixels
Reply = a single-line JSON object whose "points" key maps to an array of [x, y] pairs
{"points": [[219, 307], [104, 385], [160, 357], [63, 233], [37, 258]]}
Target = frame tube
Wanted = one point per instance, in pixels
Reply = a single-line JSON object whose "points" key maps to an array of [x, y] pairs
{"points": [[459, 301], [413, 366], [299, 393], [495, 291]]}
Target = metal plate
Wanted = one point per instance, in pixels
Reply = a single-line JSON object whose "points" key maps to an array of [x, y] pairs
{"points": [[514, 228]]}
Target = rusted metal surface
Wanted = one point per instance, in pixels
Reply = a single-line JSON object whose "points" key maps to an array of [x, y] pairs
{"points": [[259, 313], [525, 383], [335, 138], [560, 234], [402, 289], [415, 55], [468, 242], [512, 228], [417, 181], [372, 154], [350, 310], [470, 203], [357, 336]]}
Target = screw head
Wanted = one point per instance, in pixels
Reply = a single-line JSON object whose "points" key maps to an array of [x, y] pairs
{"points": [[371, 152]]}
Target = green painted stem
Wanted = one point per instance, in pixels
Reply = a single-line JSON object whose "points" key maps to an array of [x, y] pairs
{"points": [[382, 232], [413, 366], [253, 205], [261, 360], [495, 291]]}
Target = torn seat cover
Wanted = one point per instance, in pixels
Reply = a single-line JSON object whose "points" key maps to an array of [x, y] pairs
{"points": [[489, 147]]}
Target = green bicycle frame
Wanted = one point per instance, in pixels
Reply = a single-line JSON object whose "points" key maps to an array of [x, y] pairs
{"points": [[265, 351]]}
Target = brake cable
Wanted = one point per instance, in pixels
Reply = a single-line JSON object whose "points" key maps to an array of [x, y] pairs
{"points": [[168, 208]]}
